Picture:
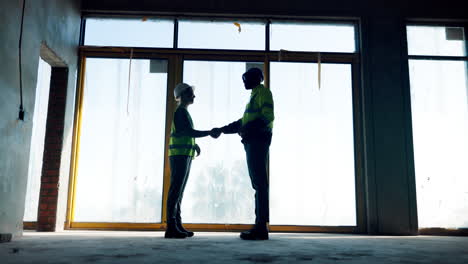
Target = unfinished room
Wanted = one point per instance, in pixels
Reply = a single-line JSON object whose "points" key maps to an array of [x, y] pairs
{"points": [[152, 131]]}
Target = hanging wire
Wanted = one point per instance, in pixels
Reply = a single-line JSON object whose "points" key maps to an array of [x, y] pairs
{"points": [[21, 109], [319, 69], [129, 80]]}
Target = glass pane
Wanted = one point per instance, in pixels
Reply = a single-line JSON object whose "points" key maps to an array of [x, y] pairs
{"points": [[439, 104], [37, 141], [312, 177], [218, 189], [312, 37], [221, 35], [154, 33], [428, 40], [120, 169]]}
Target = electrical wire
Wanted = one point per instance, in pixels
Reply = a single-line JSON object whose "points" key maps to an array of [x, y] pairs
{"points": [[21, 112], [129, 80], [319, 69]]}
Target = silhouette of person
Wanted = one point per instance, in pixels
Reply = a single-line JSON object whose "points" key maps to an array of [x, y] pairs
{"points": [[182, 149], [255, 127]]}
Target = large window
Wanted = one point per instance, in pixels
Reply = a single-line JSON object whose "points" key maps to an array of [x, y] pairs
{"points": [[312, 155], [439, 103], [144, 32], [120, 163], [312, 37], [121, 178], [436, 41], [234, 35], [221, 34], [219, 189]]}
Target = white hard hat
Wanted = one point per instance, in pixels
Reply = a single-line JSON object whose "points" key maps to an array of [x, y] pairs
{"points": [[180, 88]]}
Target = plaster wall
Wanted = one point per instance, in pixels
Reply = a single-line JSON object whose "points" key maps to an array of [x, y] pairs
{"points": [[56, 24]]}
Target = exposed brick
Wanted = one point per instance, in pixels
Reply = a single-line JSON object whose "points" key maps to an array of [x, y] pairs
{"points": [[46, 179], [49, 179], [51, 163], [43, 219], [51, 199], [53, 179], [46, 213], [49, 186], [46, 227], [53, 140], [53, 144], [53, 173]]}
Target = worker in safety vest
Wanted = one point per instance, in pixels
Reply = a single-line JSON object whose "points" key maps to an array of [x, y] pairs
{"points": [[182, 149], [255, 127]]}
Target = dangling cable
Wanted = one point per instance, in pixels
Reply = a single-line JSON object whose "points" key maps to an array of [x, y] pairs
{"points": [[129, 77], [319, 69], [21, 109]]}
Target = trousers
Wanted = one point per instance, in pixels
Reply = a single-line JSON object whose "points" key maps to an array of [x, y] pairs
{"points": [[257, 156], [180, 170]]}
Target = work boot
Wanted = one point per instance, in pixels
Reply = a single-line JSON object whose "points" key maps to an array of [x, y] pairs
{"points": [[173, 232], [256, 233], [183, 230]]}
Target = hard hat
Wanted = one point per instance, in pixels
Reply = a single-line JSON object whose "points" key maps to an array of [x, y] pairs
{"points": [[180, 88], [253, 74]]}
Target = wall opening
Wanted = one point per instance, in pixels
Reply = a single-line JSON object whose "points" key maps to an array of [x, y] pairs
{"points": [[37, 142], [46, 142]]}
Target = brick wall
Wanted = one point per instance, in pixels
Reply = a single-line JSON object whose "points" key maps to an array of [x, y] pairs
{"points": [[47, 211]]}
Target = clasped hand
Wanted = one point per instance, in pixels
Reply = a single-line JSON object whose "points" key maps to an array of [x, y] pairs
{"points": [[215, 132]]}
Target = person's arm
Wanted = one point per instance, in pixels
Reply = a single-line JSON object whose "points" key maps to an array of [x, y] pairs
{"points": [[232, 128], [183, 127], [255, 125], [266, 104]]}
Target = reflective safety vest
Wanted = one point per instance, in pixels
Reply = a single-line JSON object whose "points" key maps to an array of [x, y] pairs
{"points": [[181, 145], [259, 106]]}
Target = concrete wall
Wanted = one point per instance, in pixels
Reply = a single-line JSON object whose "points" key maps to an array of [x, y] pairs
{"points": [[55, 23], [389, 183], [388, 152]]}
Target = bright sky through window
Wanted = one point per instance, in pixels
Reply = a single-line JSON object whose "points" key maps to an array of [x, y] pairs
{"points": [[225, 34], [219, 188], [154, 33], [312, 37], [439, 105]]}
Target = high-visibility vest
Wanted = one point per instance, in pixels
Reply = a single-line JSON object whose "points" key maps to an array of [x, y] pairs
{"points": [[181, 145], [260, 106]]}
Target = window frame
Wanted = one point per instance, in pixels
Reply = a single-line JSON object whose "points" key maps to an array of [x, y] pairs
{"points": [[175, 57], [410, 22], [438, 57], [266, 20]]}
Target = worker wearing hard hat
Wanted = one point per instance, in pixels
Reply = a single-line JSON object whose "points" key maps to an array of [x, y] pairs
{"points": [[255, 127], [182, 149]]}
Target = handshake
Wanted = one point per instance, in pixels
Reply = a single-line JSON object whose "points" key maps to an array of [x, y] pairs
{"points": [[215, 132]]}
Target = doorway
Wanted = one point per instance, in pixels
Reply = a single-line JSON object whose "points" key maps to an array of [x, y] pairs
{"points": [[37, 144]]}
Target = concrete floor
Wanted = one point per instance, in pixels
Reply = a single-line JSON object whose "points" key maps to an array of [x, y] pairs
{"points": [[151, 247]]}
